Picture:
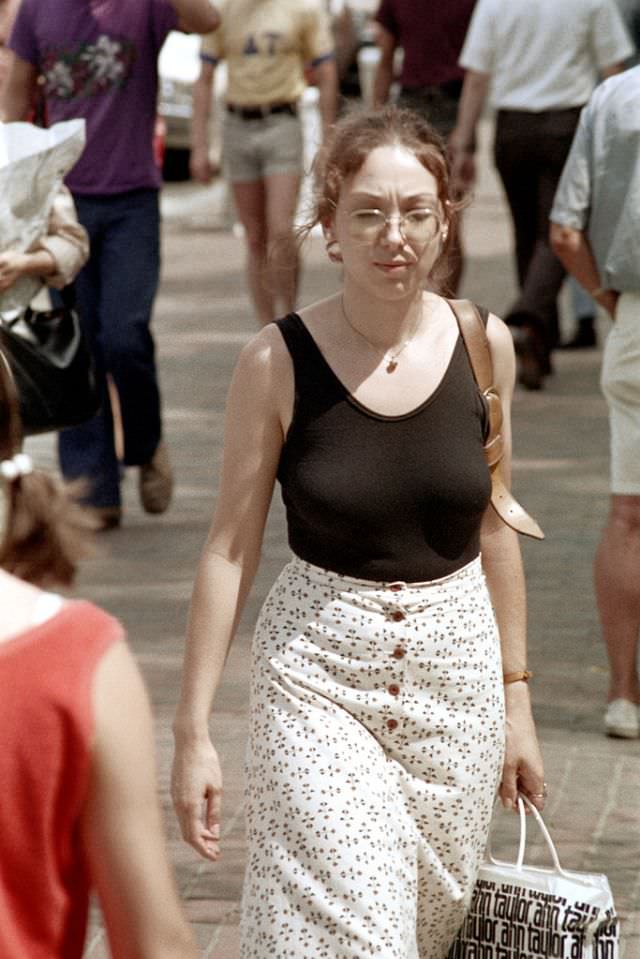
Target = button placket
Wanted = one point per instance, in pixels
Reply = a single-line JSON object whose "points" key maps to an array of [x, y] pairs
{"points": [[397, 613]]}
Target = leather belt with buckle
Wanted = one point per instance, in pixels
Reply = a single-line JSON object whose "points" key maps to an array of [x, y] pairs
{"points": [[259, 113]]}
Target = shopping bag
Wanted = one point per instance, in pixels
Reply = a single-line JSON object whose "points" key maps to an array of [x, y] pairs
{"points": [[527, 912]]}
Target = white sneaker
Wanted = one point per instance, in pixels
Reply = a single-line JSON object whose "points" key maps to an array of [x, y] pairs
{"points": [[621, 719]]}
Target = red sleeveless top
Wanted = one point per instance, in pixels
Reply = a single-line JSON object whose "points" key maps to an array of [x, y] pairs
{"points": [[46, 731]]}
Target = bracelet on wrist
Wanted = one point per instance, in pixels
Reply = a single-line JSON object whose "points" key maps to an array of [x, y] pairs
{"points": [[522, 676]]}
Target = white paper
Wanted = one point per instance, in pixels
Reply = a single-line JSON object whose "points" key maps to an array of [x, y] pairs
{"points": [[33, 164]]}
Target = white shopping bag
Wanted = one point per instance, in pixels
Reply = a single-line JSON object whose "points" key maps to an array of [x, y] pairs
{"points": [[525, 912], [33, 163]]}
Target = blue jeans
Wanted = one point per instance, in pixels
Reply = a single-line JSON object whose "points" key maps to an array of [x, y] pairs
{"points": [[115, 293]]}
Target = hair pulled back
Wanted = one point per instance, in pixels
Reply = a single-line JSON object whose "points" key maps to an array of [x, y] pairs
{"points": [[46, 531], [355, 136]]}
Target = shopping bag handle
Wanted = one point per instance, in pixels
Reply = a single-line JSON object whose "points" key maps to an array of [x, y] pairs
{"points": [[519, 863], [523, 804]]}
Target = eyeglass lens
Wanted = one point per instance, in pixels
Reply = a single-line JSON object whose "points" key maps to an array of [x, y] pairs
{"points": [[419, 225]]}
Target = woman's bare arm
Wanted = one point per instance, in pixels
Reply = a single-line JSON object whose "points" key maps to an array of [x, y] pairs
{"points": [[260, 391], [502, 564]]}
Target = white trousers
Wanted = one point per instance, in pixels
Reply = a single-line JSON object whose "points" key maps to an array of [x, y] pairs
{"points": [[375, 749]]}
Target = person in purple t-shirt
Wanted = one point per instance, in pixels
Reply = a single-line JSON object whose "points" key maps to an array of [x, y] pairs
{"points": [[97, 59], [431, 36]]}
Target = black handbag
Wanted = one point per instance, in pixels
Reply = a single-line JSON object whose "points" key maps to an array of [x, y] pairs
{"points": [[51, 365]]}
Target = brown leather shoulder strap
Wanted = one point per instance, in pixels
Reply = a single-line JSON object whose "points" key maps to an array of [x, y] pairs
{"points": [[509, 509], [476, 341]]}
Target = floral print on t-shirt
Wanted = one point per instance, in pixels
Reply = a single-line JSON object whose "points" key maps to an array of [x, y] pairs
{"points": [[88, 69]]}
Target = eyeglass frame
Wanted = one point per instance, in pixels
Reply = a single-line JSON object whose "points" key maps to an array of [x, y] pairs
{"points": [[400, 218]]}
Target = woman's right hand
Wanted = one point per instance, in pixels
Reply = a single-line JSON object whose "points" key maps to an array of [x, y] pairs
{"points": [[196, 791]]}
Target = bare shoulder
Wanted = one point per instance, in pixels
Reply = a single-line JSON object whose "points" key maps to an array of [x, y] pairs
{"points": [[262, 387], [502, 352], [264, 359], [499, 333], [264, 350]]}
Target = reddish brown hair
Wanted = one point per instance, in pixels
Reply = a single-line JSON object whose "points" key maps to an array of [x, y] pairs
{"points": [[352, 140], [46, 532]]}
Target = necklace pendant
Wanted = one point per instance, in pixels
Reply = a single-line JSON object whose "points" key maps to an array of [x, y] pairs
{"points": [[392, 365]]}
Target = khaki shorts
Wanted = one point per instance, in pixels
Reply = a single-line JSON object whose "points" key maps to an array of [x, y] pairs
{"points": [[255, 149], [620, 383]]}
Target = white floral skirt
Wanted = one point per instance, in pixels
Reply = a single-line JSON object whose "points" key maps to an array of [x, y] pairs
{"points": [[375, 749]]}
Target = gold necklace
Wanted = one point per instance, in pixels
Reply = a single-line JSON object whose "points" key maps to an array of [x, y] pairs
{"points": [[390, 355]]}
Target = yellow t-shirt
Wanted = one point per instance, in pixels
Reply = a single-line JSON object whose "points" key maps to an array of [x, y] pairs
{"points": [[267, 44]]}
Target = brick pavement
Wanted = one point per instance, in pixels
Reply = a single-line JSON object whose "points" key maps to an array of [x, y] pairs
{"points": [[145, 570]]}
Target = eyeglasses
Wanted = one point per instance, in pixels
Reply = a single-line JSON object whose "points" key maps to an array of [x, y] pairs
{"points": [[416, 226]]}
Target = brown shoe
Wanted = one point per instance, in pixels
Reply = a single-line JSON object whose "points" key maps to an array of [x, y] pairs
{"points": [[107, 517], [156, 482], [530, 357]]}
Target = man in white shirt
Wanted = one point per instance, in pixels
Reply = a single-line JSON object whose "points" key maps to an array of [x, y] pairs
{"points": [[542, 59]]}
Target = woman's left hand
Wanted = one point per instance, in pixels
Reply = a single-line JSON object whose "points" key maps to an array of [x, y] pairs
{"points": [[13, 265], [523, 770]]}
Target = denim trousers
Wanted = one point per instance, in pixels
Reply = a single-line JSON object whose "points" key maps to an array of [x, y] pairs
{"points": [[115, 293]]}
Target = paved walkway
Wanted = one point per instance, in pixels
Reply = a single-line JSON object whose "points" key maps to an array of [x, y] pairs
{"points": [[145, 571]]}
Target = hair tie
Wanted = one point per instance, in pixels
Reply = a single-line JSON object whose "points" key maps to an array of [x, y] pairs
{"points": [[19, 465]]}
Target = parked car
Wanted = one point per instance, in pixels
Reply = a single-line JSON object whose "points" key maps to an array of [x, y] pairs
{"points": [[179, 66]]}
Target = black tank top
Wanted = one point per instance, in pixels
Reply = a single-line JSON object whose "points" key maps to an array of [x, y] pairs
{"points": [[382, 497]]}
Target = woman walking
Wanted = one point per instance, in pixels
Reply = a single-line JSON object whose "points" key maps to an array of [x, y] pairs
{"points": [[391, 645]]}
